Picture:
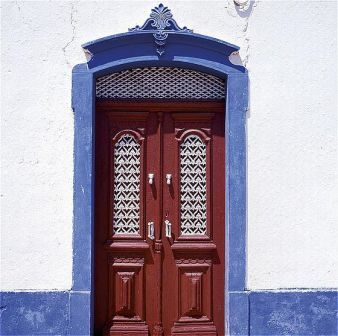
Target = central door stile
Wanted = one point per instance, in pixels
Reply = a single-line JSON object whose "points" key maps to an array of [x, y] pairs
{"points": [[158, 245]]}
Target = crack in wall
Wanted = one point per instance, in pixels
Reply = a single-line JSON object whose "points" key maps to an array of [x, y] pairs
{"points": [[245, 12], [253, 4], [18, 6], [2, 309], [23, 18], [72, 23]]}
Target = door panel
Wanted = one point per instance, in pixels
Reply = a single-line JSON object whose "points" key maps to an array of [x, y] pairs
{"points": [[121, 247], [194, 204], [168, 280]]}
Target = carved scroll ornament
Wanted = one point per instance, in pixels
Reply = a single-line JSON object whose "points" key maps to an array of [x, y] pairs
{"points": [[161, 24]]}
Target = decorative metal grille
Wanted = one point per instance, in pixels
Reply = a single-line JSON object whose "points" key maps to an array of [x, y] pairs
{"points": [[126, 185], [160, 83], [193, 186]]}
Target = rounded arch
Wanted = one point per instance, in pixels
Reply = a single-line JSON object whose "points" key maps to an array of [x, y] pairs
{"points": [[188, 51]]}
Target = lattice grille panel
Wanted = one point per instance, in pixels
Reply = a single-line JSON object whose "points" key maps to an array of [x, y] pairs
{"points": [[126, 185], [160, 83], [193, 186]]}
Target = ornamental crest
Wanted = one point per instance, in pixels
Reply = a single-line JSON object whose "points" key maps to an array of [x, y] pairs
{"points": [[161, 24]]}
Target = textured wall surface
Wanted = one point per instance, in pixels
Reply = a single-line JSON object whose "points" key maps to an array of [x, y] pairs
{"points": [[292, 145], [290, 51]]}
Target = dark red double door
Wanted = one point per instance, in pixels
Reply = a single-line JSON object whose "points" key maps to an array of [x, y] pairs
{"points": [[160, 221]]}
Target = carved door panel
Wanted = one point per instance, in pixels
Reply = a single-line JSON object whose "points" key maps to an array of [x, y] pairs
{"points": [[159, 219]]}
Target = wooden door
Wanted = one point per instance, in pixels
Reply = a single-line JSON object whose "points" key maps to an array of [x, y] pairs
{"points": [[159, 219]]}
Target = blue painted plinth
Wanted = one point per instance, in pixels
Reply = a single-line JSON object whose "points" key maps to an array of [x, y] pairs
{"points": [[293, 313], [250, 313]]}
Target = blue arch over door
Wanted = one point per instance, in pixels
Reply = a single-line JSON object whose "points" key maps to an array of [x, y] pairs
{"points": [[140, 48]]}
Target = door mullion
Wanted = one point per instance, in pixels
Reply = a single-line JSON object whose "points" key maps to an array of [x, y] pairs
{"points": [[158, 246]]}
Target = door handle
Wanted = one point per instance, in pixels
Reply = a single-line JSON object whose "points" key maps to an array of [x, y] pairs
{"points": [[167, 228], [168, 178], [151, 178], [151, 230]]}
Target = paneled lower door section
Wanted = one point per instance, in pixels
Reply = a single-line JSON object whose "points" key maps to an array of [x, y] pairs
{"points": [[159, 219]]}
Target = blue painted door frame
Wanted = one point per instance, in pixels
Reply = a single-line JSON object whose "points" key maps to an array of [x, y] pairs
{"points": [[136, 49]]}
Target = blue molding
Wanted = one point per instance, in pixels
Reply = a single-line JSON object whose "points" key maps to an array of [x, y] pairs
{"points": [[237, 98], [80, 313], [238, 313], [84, 123], [135, 45]]}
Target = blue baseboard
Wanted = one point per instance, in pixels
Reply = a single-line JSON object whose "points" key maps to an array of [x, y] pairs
{"points": [[45, 313], [292, 312], [297, 312]]}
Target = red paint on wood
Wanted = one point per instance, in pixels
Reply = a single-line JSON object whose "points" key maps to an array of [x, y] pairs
{"points": [[169, 285]]}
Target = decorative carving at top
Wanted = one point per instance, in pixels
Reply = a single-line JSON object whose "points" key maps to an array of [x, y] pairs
{"points": [[126, 259], [193, 261], [161, 23]]}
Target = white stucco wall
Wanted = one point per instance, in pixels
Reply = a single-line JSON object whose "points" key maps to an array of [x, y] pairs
{"points": [[289, 48]]}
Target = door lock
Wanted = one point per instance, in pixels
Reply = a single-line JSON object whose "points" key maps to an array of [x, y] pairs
{"points": [[151, 230], [151, 178], [168, 178], [167, 228]]}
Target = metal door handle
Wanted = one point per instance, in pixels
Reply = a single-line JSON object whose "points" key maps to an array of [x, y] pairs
{"points": [[167, 228], [151, 230], [168, 178], [151, 178]]}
